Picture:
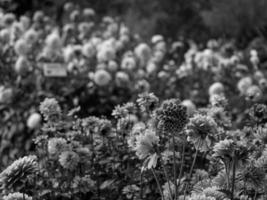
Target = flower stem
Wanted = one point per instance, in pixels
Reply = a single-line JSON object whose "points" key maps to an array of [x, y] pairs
{"points": [[174, 168], [168, 180], [157, 180], [233, 179], [181, 166]]}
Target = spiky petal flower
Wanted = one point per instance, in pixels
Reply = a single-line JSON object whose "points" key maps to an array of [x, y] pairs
{"points": [[18, 172], [171, 116], [201, 131], [145, 143], [69, 160], [56, 146], [258, 112], [50, 109], [147, 101], [17, 196], [200, 197]]}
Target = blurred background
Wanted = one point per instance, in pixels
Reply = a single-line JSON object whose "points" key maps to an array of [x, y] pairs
{"points": [[199, 20]]}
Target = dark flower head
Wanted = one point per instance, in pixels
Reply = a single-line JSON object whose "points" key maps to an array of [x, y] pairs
{"points": [[171, 116], [258, 113]]}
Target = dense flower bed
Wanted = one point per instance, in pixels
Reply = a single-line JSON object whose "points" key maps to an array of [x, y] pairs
{"points": [[98, 113]]}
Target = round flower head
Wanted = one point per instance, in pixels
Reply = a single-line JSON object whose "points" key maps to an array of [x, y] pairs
{"points": [[53, 41], [89, 50], [25, 21], [216, 88], [50, 109], [218, 100], [31, 36], [128, 63], [254, 93], [258, 112], [34, 120], [122, 79], [224, 149], [161, 46], [38, 16], [158, 56], [6, 95], [56, 145], [75, 16], [18, 171], [5, 35], [112, 66], [22, 65], [137, 129], [243, 85], [201, 130], [171, 116], [151, 67], [105, 54], [190, 106], [9, 19], [21, 47], [142, 86], [69, 160], [261, 134], [88, 13], [68, 6], [102, 77], [143, 53], [17, 196], [157, 38], [147, 101], [145, 143]]}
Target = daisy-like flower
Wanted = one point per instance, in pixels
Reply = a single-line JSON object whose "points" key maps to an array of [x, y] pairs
{"points": [[18, 172], [119, 112], [171, 116], [201, 131], [69, 160], [145, 143], [252, 176], [17, 196], [56, 146], [215, 193], [50, 109], [147, 101]]}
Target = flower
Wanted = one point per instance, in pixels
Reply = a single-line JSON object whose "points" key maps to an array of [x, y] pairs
{"points": [[216, 88], [105, 54], [50, 109], [102, 77], [215, 193], [69, 160], [122, 79], [254, 93], [145, 143], [168, 190], [22, 65], [171, 116], [147, 101], [53, 41], [201, 131], [131, 191], [243, 84], [34, 120], [218, 100], [21, 47], [17, 196], [190, 107], [258, 112], [6, 95], [18, 172], [200, 197], [88, 50], [56, 145], [128, 63]]}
